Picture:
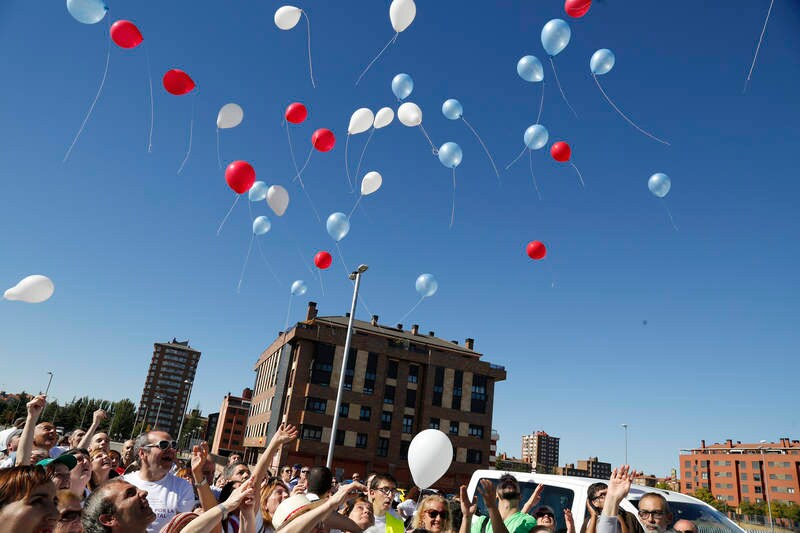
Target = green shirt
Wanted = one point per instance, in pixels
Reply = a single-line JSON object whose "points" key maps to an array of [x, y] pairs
{"points": [[516, 523]]}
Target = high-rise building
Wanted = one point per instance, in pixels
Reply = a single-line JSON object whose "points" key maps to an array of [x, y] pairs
{"points": [[541, 451], [736, 472], [397, 383], [231, 424], [167, 386]]}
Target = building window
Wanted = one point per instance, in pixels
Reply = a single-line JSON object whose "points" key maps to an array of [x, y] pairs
{"points": [[757, 489], [371, 373], [413, 374], [316, 405], [386, 420], [743, 476], [310, 432], [322, 364], [474, 457], [391, 372], [365, 414], [454, 428], [704, 475], [340, 437], [388, 394], [351, 369], [476, 431], [688, 485], [478, 404], [411, 398], [687, 464], [361, 440], [404, 444], [434, 423], [756, 477], [458, 383], [438, 386], [408, 424], [344, 410], [383, 447], [745, 488], [756, 464], [742, 465]]}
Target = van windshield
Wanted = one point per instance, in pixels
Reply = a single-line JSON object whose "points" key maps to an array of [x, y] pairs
{"points": [[557, 498], [706, 518]]}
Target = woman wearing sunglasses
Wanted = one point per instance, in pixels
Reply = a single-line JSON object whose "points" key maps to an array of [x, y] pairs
{"points": [[432, 514]]}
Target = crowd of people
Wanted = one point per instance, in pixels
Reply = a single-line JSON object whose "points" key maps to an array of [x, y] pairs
{"points": [[75, 483]]}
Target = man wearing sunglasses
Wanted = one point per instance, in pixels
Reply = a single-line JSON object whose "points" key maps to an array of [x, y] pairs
{"points": [[167, 494]]}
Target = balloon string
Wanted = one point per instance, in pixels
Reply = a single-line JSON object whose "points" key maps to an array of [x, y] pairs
{"points": [[552, 276], [453, 210], [489, 155], [191, 131], [94, 102], [297, 249], [671, 221], [393, 39], [346, 166], [541, 105], [219, 161], [219, 229], [516, 158], [291, 149], [260, 250], [579, 173], [152, 104], [410, 310], [299, 172], [360, 159], [308, 31], [246, 259], [629, 121], [321, 285], [433, 146], [758, 47], [530, 164], [564, 96], [360, 196], [288, 312], [341, 257]]}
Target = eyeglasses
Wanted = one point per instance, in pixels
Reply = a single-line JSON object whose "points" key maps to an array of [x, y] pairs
{"points": [[163, 444], [647, 514], [287, 470], [304, 471], [386, 491], [601, 496], [69, 516], [542, 514], [434, 514]]}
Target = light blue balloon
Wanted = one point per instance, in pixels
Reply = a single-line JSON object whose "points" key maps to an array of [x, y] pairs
{"points": [[87, 11], [450, 154], [261, 225], [257, 192], [536, 137], [299, 288], [530, 68], [602, 62], [452, 109], [426, 285], [659, 184], [555, 36], [402, 85], [338, 226]]}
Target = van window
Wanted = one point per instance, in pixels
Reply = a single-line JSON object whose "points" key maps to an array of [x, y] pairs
{"points": [[556, 497]]}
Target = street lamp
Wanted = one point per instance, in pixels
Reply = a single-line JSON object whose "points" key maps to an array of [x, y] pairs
{"points": [[185, 407], [158, 412], [766, 486], [356, 276], [625, 427], [49, 381]]}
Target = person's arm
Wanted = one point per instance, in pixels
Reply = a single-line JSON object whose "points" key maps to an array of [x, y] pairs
{"points": [[342, 523], [25, 447], [247, 512], [591, 523], [487, 492], [569, 520], [199, 458], [305, 522], [534, 500], [97, 417], [286, 433], [618, 487], [467, 509], [213, 517]]}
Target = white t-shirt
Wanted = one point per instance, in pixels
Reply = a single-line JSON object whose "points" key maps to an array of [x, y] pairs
{"points": [[167, 497]]}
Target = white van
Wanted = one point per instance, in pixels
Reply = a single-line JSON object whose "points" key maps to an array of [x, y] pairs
{"points": [[568, 491]]}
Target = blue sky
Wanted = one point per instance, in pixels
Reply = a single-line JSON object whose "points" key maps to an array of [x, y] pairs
{"points": [[133, 250]]}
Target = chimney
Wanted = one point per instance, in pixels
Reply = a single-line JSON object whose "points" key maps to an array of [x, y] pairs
{"points": [[703, 443], [400, 327], [454, 342], [469, 343], [247, 394], [347, 314], [374, 320], [414, 329], [311, 314], [431, 334], [729, 442]]}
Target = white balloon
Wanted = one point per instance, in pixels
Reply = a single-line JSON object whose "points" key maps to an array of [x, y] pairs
{"points": [[429, 457], [402, 13], [287, 17], [383, 118], [372, 182], [360, 121], [230, 116], [278, 199], [409, 114], [33, 290]]}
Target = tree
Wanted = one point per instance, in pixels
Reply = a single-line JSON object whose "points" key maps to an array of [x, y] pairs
{"points": [[705, 495], [122, 418], [663, 486]]}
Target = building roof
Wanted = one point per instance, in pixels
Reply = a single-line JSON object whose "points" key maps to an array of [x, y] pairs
{"points": [[182, 345], [738, 447]]}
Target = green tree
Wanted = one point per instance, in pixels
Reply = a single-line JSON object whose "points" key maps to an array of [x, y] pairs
{"points": [[122, 418], [705, 495], [662, 485]]}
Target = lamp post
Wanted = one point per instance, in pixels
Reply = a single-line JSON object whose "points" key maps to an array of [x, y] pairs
{"points": [[356, 276], [185, 407], [766, 487], [49, 381], [625, 427], [158, 412]]}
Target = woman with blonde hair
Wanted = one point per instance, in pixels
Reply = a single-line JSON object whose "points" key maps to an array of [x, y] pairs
{"points": [[101, 468], [272, 494], [27, 500], [433, 514]]}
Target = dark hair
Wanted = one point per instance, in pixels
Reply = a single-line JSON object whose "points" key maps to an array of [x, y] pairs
{"points": [[18, 482], [320, 480], [594, 488], [382, 477], [73, 451], [98, 503], [227, 472]]}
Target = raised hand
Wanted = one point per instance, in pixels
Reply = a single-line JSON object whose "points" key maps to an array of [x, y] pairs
{"points": [[286, 433], [620, 483], [300, 488], [569, 520], [488, 493], [241, 494], [36, 406], [199, 458], [98, 416], [467, 508], [347, 492]]}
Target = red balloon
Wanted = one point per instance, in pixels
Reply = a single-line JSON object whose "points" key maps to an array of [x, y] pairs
{"points": [[560, 151], [536, 250], [577, 8], [177, 82], [323, 260], [240, 176], [296, 113], [323, 140], [125, 34]]}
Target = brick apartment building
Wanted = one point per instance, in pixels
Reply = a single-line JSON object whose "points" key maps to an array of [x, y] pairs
{"points": [[592, 467], [397, 383], [231, 424], [736, 472], [541, 451]]}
